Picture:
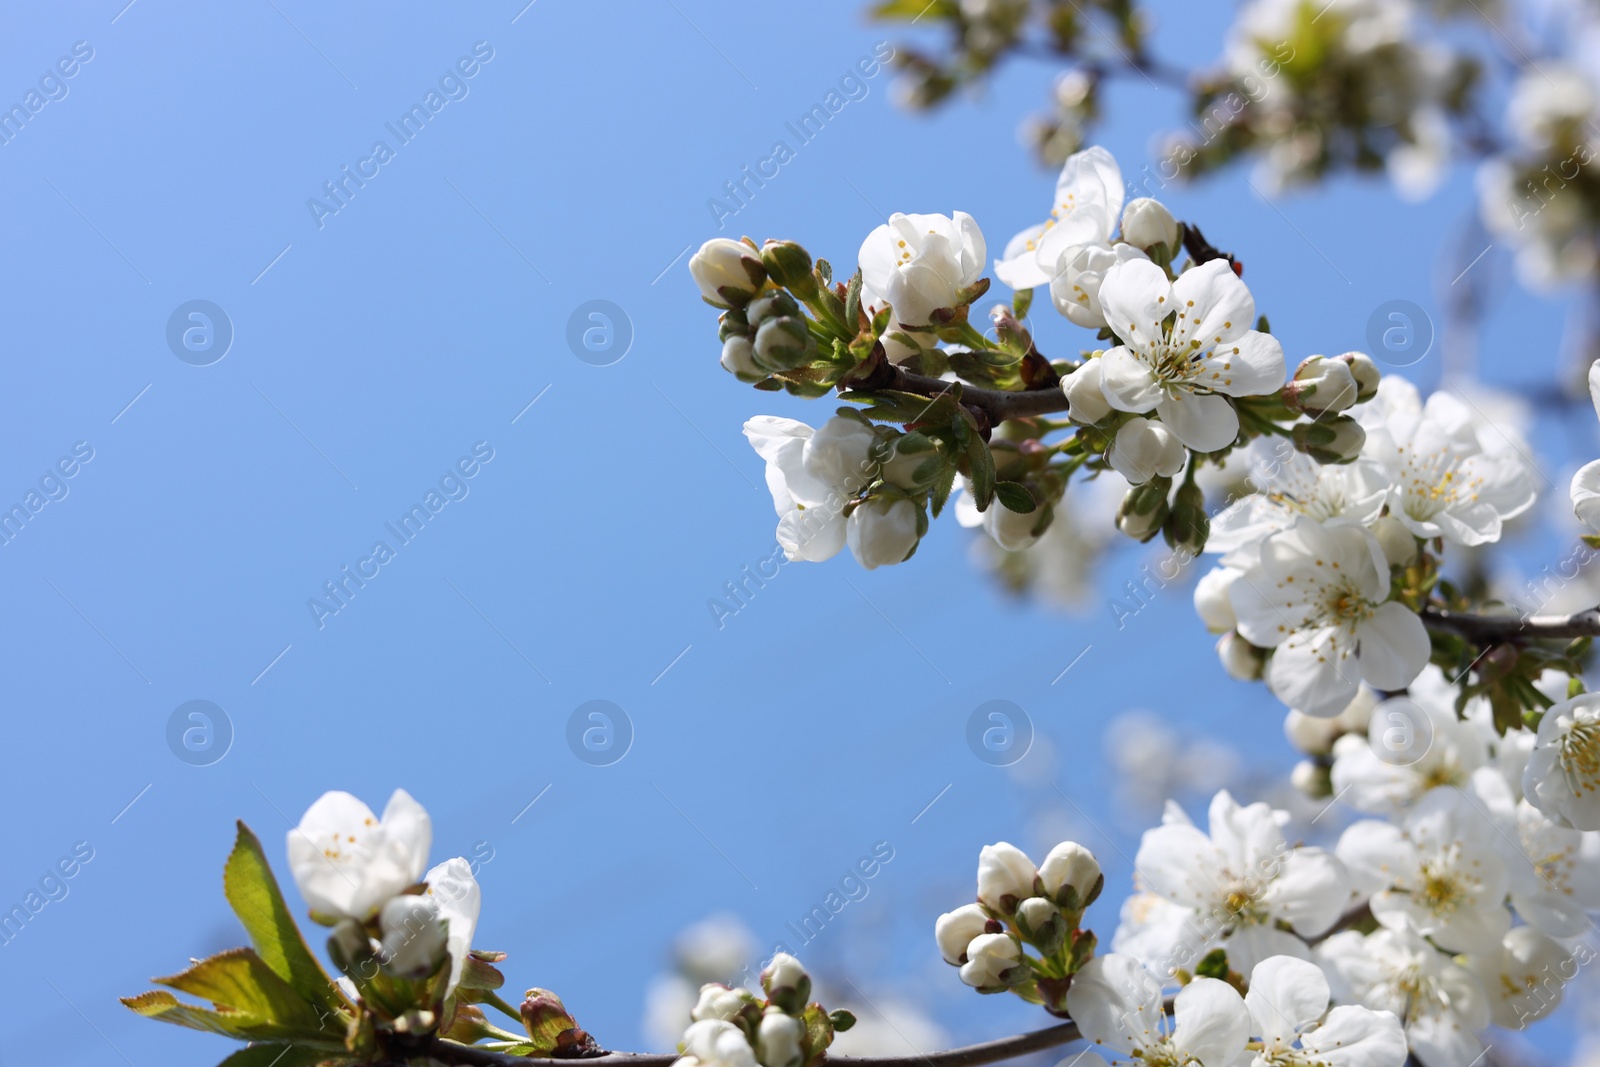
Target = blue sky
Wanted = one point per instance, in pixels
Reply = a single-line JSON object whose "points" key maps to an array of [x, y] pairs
{"points": [[375, 347]]}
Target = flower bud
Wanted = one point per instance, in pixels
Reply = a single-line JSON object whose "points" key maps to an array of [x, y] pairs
{"points": [[1145, 449], [1041, 923], [1005, 877], [413, 936], [901, 465], [1312, 735], [790, 266], [717, 1001], [993, 961], [1146, 224], [954, 931], [778, 1039], [883, 531], [1320, 385], [786, 983], [714, 1043], [783, 344], [774, 305], [1364, 372], [1335, 440], [1212, 599], [1085, 399], [547, 1021], [1240, 658], [733, 323], [739, 359], [1188, 527], [1071, 876], [728, 272], [1144, 509], [1398, 543], [1313, 779]]}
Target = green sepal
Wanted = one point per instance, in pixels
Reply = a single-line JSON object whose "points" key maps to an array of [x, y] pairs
{"points": [[1021, 301]]}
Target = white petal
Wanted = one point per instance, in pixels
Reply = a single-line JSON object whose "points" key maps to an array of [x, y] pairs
{"points": [[1215, 296], [1205, 422], [1286, 996], [1117, 1003], [1394, 647], [1251, 366], [1135, 297], [1127, 382], [1210, 1022], [1355, 1036]]}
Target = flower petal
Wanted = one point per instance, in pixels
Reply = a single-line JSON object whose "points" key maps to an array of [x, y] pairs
{"points": [[1394, 647]]}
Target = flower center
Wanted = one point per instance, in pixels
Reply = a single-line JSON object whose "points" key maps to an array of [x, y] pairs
{"points": [[1580, 753], [1436, 482]]}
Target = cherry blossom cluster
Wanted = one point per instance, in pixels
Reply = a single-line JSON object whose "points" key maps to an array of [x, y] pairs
{"points": [[1183, 372], [732, 1027], [1018, 907]]}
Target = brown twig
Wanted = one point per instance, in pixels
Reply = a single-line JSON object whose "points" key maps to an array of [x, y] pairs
{"points": [[998, 404], [1493, 628], [1004, 1048]]}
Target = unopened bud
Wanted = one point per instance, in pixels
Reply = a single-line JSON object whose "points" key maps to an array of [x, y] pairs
{"points": [[778, 1039], [1071, 876], [1147, 224], [1144, 509], [1188, 526], [786, 983], [1213, 601], [1336, 440], [783, 344], [1321, 385], [739, 359], [774, 305], [1041, 923], [1086, 401], [1312, 778], [790, 266], [1364, 372], [1145, 449], [728, 272], [551, 1029], [1240, 658], [1398, 543], [1008, 329]]}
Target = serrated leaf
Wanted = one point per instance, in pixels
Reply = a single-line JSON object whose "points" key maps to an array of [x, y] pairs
{"points": [[253, 893], [240, 980], [283, 1055], [980, 471], [1016, 497], [1021, 301], [942, 487], [164, 1007]]}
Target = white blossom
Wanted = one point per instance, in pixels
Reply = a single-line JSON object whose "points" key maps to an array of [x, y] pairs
{"points": [[921, 263], [1523, 976], [1412, 744], [1086, 400], [1088, 200], [883, 531], [1070, 866], [1439, 872], [728, 272], [1562, 778], [1452, 474], [1213, 599], [1239, 882], [1005, 876], [1288, 1000], [1185, 374], [1144, 449], [991, 961], [1079, 276], [1289, 484], [955, 930], [1396, 970], [778, 1039], [717, 1001], [1318, 595], [811, 522], [1585, 493], [457, 899], [1146, 223], [1116, 1003], [348, 863]]}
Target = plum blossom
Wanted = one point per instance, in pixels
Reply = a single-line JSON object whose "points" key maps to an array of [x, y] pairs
{"points": [[1288, 1000], [1318, 595], [1005, 877], [1079, 277], [1439, 872], [1117, 1004], [348, 863], [455, 896], [1395, 969], [1524, 976], [1554, 871], [715, 1043], [1088, 200], [1185, 373], [1562, 778], [1240, 882], [1452, 475]]}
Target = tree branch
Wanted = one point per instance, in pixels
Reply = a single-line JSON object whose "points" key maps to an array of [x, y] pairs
{"points": [[1489, 628], [998, 404], [1004, 1048]]}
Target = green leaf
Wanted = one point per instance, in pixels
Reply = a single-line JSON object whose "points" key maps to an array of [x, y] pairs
{"points": [[240, 980], [1016, 497], [852, 302], [942, 487], [1021, 301], [980, 463], [164, 1007], [1215, 965], [283, 1055], [253, 893]]}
